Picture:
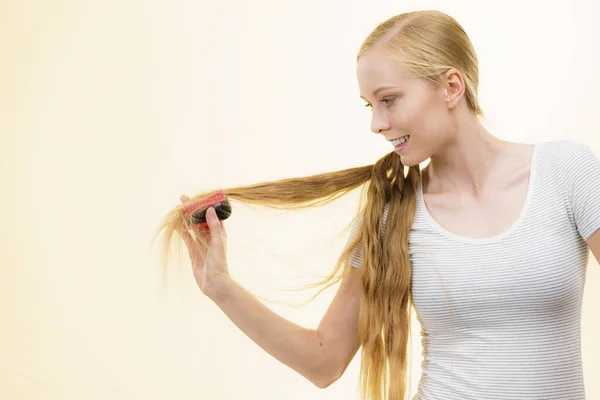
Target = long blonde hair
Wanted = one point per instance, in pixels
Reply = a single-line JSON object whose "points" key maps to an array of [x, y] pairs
{"points": [[427, 43]]}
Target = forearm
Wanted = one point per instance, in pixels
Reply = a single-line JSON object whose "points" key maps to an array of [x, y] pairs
{"points": [[299, 348]]}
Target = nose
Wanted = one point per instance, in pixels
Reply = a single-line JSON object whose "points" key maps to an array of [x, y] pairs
{"points": [[379, 122]]}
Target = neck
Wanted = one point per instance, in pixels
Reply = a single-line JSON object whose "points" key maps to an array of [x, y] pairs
{"points": [[466, 161]]}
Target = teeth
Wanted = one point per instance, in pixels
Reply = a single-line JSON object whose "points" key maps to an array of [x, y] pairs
{"points": [[398, 142]]}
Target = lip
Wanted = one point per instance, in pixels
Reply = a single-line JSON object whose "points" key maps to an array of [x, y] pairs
{"points": [[391, 140], [402, 148]]}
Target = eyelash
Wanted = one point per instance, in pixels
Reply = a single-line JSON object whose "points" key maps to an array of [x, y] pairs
{"points": [[388, 102]]}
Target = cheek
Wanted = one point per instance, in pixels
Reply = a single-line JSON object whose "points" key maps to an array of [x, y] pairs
{"points": [[409, 116], [435, 120], [418, 118], [435, 123]]}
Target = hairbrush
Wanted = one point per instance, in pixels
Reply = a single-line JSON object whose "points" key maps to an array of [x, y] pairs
{"points": [[197, 210]]}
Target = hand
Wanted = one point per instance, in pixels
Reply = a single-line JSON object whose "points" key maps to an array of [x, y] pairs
{"points": [[209, 262]]}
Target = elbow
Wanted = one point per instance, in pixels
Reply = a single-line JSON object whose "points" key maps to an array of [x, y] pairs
{"points": [[325, 376], [327, 366], [323, 382]]}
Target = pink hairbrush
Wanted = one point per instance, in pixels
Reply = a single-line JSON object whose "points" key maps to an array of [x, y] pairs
{"points": [[197, 210]]}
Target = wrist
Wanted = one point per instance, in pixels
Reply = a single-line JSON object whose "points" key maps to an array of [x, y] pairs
{"points": [[218, 287]]}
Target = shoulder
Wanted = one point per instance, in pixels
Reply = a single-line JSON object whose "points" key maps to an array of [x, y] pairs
{"points": [[577, 167], [579, 152], [567, 150], [567, 157]]}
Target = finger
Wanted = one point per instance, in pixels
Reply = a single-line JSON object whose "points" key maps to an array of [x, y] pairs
{"points": [[194, 244], [215, 227], [201, 236], [184, 234], [202, 230], [183, 199], [223, 231]]}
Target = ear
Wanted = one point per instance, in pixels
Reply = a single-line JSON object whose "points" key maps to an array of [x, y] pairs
{"points": [[454, 87]]}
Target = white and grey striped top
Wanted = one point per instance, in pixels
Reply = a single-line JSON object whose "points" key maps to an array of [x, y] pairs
{"points": [[501, 316]]}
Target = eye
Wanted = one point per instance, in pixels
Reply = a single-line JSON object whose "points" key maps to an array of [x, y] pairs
{"points": [[387, 101]]}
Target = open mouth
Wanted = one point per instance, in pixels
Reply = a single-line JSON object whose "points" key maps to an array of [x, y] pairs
{"points": [[401, 143]]}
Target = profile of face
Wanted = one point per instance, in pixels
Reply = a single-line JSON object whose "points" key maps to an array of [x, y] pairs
{"points": [[403, 106]]}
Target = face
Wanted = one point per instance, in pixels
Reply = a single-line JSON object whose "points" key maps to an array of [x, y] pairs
{"points": [[404, 106]]}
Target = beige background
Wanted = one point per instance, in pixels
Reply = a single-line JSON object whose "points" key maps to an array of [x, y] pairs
{"points": [[109, 110]]}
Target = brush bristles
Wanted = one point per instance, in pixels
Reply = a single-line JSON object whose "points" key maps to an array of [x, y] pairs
{"points": [[211, 200]]}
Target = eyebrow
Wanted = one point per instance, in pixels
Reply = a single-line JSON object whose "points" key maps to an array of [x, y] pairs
{"points": [[380, 89]]}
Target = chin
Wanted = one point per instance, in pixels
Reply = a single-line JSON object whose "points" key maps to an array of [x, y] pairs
{"points": [[411, 161], [408, 161]]}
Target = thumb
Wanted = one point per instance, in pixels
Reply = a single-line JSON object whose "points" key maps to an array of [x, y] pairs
{"points": [[215, 226]]}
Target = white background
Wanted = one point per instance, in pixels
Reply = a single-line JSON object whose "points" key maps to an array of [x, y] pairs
{"points": [[110, 110]]}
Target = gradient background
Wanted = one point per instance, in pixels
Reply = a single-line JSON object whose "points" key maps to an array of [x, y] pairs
{"points": [[110, 110]]}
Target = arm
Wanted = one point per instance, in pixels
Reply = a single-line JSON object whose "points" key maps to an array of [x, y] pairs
{"points": [[594, 245], [320, 355]]}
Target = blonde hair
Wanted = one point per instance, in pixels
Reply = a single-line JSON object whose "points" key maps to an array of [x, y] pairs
{"points": [[427, 43]]}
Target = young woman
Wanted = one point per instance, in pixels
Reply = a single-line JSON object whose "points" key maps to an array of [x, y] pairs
{"points": [[489, 242]]}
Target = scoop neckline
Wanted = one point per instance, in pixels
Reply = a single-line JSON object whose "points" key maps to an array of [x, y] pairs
{"points": [[491, 239]]}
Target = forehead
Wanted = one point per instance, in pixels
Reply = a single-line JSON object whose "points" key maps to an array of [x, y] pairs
{"points": [[375, 69], [377, 65]]}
